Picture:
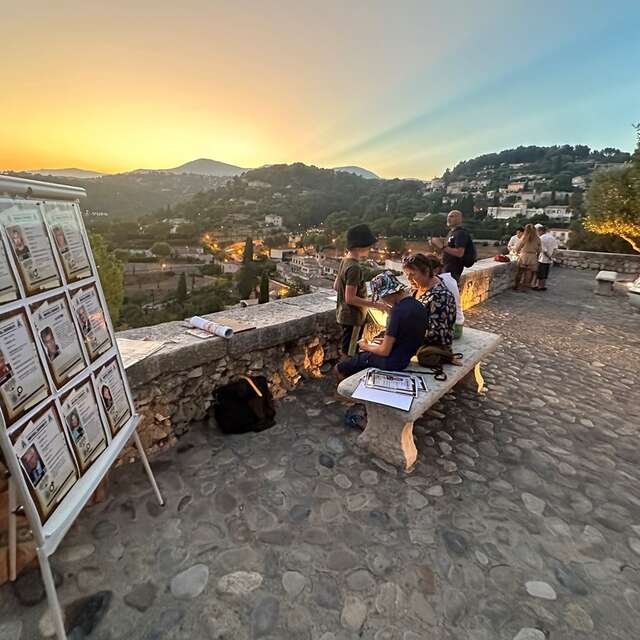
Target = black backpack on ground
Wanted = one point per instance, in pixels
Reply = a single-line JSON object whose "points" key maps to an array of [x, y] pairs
{"points": [[244, 406]]}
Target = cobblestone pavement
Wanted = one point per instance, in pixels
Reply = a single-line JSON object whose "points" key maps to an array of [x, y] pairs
{"points": [[520, 521]]}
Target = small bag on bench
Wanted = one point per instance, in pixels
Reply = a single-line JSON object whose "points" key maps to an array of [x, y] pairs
{"points": [[243, 406], [431, 356]]}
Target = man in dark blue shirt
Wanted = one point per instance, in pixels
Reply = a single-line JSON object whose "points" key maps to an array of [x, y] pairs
{"points": [[458, 251], [404, 335]]}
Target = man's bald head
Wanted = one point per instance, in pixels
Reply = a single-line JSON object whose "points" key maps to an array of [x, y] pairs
{"points": [[454, 218]]}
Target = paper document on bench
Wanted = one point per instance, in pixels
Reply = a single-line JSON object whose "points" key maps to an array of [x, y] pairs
{"points": [[388, 381], [388, 398]]}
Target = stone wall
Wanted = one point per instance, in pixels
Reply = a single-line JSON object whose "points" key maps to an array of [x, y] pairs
{"points": [[487, 278], [600, 261]]}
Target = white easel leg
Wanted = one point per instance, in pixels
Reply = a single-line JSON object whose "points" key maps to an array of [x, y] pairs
{"points": [[52, 596], [13, 542], [147, 468]]}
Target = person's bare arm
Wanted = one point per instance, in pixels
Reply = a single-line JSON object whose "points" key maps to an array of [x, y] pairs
{"points": [[351, 297], [380, 349], [458, 252]]}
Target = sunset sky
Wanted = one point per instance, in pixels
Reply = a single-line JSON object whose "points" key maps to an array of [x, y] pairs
{"points": [[403, 88]]}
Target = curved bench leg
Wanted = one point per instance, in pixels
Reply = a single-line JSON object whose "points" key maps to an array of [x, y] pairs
{"points": [[474, 380], [389, 437]]}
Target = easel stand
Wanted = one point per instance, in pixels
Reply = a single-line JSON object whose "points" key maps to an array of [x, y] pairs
{"points": [[50, 535]]}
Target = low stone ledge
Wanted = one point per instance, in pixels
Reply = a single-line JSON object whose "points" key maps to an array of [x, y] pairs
{"points": [[625, 263]]}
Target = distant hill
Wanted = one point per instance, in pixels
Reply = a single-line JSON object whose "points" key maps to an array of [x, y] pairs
{"points": [[207, 167], [71, 172], [358, 171], [132, 195]]}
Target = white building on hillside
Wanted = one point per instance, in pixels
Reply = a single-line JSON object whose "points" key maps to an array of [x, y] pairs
{"points": [[305, 266], [579, 182], [558, 212], [282, 255], [505, 213], [273, 220]]}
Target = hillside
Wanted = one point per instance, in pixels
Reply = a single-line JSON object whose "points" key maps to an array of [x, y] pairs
{"points": [[557, 163], [358, 171], [71, 172], [207, 167], [132, 195]]}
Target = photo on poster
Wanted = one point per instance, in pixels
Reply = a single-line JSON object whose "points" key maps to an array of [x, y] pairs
{"points": [[29, 243], [46, 460], [66, 230], [8, 288], [83, 421], [91, 319], [60, 343], [113, 395], [23, 383]]}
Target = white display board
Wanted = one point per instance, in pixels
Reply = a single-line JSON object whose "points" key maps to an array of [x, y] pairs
{"points": [[66, 406]]}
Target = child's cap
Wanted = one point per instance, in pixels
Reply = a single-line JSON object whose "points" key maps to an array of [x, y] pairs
{"points": [[385, 284], [360, 236]]}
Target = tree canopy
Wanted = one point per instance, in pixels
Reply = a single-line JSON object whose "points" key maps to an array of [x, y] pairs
{"points": [[613, 201], [110, 274]]}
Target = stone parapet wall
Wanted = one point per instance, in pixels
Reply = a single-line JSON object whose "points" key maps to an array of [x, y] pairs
{"points": [[487, 278], [599, 261]]}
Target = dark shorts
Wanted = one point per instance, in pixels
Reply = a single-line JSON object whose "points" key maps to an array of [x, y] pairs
{"points": [[349, 340], [362, 361], [543, 270]]}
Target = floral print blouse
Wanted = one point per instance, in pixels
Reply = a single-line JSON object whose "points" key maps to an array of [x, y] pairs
{"points": [[441, 310]]}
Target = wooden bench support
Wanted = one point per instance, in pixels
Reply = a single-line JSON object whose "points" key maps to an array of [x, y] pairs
{"points": [[387, 437]]}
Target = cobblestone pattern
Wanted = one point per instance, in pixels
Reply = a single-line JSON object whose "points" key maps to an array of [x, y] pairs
{"points": [[620, 262], [521, 520]]}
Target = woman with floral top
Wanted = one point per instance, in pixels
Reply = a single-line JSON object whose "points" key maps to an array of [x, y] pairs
{"points": [[439, 302]]}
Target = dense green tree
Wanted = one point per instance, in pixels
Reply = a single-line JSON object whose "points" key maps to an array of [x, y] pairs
{"points": [[181, 291], [613, 201], [297, 287], [396, 245], [246, 281], [264, 288], [161, 249], [247, 256], [110, 273]]}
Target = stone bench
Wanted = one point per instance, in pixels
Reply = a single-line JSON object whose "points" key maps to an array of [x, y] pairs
{"points": [[389, 431], [605, 280]]}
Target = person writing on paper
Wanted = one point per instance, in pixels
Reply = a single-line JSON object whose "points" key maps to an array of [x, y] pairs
{"points": [[440, 296], [404, 335], [352, 303]]}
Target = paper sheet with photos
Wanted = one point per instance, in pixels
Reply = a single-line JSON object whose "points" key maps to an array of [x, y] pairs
{"points": [[393, 389]]}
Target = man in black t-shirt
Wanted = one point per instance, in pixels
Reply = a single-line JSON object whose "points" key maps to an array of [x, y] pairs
{"points": [[457, 241]]}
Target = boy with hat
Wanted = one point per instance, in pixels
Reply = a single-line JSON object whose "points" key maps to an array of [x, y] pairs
{"points": [[352, 305], [404, 335]]}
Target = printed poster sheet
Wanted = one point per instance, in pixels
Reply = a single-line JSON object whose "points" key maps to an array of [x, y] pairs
{"points": [[46, 460], [84, 424], [23, 383], [30, 245], [65, 228], [90, 316], [57, 333], [8, 289], [113, 395]]}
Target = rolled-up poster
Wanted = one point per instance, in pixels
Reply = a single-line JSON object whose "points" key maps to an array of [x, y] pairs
{"points": [[211, 327]]}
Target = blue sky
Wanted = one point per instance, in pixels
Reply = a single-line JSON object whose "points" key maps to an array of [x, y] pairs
{"points": [[405, 88]]}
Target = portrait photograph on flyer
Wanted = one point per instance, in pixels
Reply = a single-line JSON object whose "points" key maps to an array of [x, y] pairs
{"points": [[90, 316], [8, 288], [57, 334], [113, 395], [66, 230], [46, 460], [23, 383], [83, 421], [30, 245]]}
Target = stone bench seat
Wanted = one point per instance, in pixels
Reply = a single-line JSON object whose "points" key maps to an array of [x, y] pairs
{"points": [[389, 431], [605, 280]]}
